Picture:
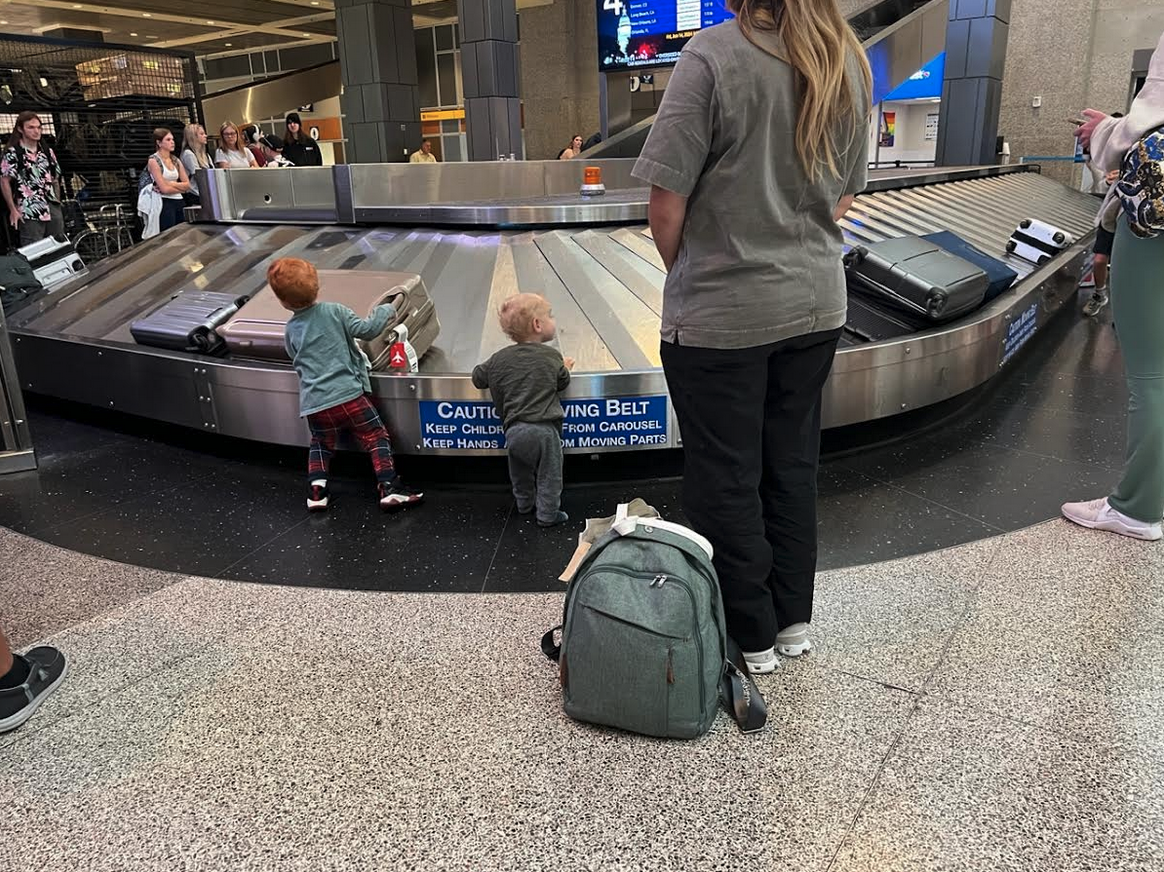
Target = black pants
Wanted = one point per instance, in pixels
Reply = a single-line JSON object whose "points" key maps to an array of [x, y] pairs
{"points": [[750, 420], [172, 214]]}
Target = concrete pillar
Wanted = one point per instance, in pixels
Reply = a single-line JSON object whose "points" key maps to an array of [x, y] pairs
{"points": [[976, 39], [491, 77], [381, 104]]}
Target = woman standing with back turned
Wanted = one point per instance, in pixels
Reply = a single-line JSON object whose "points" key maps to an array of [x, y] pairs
{"points": [[759, 147]]}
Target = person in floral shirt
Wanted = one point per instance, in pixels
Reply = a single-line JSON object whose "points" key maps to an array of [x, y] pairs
{"points": [[30, 183]]}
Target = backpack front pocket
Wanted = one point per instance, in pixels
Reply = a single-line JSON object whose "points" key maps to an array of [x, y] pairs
{"points": [[619, 673]]}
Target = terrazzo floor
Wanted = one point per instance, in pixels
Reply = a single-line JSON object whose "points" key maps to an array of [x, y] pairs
{"points": [[993, 706]]}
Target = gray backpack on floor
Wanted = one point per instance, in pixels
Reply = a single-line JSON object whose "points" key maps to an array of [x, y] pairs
{"points": [[643, 644]]}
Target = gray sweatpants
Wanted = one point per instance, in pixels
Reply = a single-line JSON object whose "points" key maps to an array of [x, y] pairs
{"points": [[535, 468]]}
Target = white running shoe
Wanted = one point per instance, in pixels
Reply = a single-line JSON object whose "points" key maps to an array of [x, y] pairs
{"points": [[761, 662], [1099, 515], [793, 640]]}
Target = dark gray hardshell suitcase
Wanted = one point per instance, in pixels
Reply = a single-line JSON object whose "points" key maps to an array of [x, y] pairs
{"points": [[919, 276], [188, 322]]}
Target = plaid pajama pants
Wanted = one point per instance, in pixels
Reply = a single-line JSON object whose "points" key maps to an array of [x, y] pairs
{"points": [[358, 417]]}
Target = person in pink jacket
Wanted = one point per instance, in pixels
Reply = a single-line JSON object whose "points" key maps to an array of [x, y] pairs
{"points": [[1136, 506]]}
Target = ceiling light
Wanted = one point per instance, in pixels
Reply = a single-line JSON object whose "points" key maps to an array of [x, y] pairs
{"points": [[3, 22], [314, 2], [209, 22], [228, 44], [133, 34], [308, 35], [147, 15]]}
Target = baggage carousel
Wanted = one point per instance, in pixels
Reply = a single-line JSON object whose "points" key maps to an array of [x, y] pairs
{"points": [[477, 233]]}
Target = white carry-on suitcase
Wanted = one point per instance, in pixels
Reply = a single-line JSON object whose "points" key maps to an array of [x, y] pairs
{"points": [[53, 260], [1037, 242]]}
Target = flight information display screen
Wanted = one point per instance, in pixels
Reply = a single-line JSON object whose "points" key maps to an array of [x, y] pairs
{"points": [[651, 33]]}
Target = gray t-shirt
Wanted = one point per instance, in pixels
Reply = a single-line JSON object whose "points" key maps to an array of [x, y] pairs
{"points": [[524, 380], [760, 259]]}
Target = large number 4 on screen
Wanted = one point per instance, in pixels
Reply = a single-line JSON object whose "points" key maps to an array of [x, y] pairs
{"points": [[614, 6]]}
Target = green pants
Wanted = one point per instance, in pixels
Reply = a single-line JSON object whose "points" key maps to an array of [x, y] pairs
{"points": [[1137, 297]]}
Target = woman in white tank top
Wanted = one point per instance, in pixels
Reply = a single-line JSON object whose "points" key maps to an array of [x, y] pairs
{"points": [[170, 179]]}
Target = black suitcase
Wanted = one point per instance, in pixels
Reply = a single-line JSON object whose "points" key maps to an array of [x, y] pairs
{"points": [[188, 322], [18, 283], [917, 276]]}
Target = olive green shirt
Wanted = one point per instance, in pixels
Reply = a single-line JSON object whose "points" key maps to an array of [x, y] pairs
{"points": [[760, 258], [524, 380]]}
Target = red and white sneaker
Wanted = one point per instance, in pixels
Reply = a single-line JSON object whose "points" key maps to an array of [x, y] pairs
{"points": [[1099, 515], [397, 495], [317, 496]]}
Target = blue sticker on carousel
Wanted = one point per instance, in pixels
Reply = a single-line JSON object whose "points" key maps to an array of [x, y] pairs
{"points": [[601, 423], [1019, 331]]}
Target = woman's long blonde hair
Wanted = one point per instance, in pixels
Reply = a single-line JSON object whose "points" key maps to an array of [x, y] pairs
{"points": [[190, 141], [818, 42]]}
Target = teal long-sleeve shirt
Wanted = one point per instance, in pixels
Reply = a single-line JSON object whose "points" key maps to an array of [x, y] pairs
{"points": [[332, 370]]}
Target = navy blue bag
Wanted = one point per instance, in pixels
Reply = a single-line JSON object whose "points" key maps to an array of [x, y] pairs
{"points": [[1001, 276]]}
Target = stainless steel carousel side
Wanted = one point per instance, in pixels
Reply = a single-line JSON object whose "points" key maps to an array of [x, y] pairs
{"points": [[477, 233]]}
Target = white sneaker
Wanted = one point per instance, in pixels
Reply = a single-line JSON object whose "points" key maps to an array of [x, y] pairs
{"points": [[793, 640], [761, 662], [1099, 515]]}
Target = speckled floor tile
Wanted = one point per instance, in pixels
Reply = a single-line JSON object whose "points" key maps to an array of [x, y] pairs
{"points": [[432, 738], [1081, 437], [1085, 348], [891, 621], [46, 588], [445, 544], [73, 485], [54, 434], [200, 528], [995, 485], [966, 791], [1059, 547], [126, 645], [1067, 633], [872, 521], [1097, 396]]}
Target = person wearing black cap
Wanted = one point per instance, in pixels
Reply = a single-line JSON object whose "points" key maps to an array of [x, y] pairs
{"points": [[273, 152], [299, 148]]}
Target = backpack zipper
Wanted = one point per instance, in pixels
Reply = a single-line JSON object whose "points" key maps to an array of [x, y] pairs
{"points": [[698, 638]]}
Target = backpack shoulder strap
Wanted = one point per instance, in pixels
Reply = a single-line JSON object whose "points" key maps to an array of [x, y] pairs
{"points": [[740, 695], [552, 650]]}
